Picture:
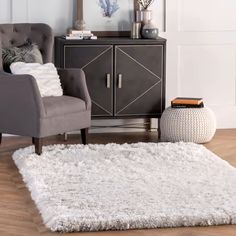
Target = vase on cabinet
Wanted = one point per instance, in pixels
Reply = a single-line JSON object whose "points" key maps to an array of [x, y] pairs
{"points": [[149, 31], [143, 16]]}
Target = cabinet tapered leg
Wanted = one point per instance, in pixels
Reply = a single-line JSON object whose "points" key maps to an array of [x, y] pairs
{"points": [[0, 138], [148, 126], [159, 129], [84, 136], [38, 143], [65, 136], [33, 140]]}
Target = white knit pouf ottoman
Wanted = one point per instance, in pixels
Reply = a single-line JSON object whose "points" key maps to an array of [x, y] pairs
{"points": [[196, 125]]}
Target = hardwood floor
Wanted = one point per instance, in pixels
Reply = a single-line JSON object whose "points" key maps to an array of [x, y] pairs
{"points": [[19, 216]]}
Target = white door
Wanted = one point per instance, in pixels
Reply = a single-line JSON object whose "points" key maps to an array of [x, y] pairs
{"points": [[201, 53]]}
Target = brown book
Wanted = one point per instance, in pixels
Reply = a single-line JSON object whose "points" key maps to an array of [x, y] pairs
{"points": [[201, 105], [187, 101]]}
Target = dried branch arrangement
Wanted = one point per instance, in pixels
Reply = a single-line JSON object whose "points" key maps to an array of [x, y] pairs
{"points": [[145, 3]]}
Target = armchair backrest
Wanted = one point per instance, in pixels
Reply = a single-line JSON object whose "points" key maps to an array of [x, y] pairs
{"points": [[13, 35]]}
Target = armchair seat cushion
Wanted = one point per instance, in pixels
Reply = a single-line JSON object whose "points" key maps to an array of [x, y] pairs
{"points": [[62, 105]]}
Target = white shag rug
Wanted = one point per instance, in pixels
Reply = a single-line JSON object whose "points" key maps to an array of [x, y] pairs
{"points": [[129, 186]]}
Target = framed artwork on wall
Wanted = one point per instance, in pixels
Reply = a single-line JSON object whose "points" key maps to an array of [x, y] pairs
{"points": [[107, 17]]}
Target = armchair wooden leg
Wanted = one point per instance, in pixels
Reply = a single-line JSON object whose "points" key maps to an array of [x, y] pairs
{"points": [[0, 138], [38, 143], [84, 136]]}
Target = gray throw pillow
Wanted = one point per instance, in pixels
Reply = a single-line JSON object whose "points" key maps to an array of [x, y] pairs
{"points": [[28, 53]]}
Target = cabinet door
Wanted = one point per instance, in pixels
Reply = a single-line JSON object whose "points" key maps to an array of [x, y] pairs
{"points": [[97, 63], [139, 80]]}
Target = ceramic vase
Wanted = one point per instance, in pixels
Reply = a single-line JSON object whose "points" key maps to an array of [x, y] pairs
{"points": [[143, 16], [149, 31]]}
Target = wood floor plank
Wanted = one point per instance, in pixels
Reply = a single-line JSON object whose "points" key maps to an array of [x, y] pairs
{"points": [[20, 217]]}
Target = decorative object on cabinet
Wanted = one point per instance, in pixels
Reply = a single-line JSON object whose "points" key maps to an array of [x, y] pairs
{"points": [[125, 77], [136, 30], [196, 125], [107, 17], [80, 25], [145, 4], [80, 34], [143, 14], [149, 31]]}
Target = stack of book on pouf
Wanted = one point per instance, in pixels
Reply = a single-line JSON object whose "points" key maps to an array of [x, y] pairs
{"points": [[182, 102]]}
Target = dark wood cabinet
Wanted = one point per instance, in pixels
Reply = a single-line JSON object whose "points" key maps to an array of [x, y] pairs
{"points": [[125, 78]]}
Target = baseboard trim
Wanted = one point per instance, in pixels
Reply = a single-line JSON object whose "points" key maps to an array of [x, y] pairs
{"points": [[117, 126]]}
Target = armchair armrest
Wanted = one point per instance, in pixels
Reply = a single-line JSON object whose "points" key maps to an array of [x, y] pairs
{"points": [[74, 84], [20, 104]]}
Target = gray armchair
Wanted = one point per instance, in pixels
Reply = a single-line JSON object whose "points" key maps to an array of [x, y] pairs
{"points": [[22, 109]]}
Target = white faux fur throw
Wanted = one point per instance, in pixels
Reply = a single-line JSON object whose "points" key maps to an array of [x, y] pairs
{"points": [[45, 74], [129, 186]]}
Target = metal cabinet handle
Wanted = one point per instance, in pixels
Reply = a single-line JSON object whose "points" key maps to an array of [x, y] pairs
{"points": [[108, 80], [119, 80]]}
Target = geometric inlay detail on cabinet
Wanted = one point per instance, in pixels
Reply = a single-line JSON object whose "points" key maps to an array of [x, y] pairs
{"points": [[145, 56], [80, 56], [98, 68], [96, 63], [99, 108], [136, 102], [95, 58], [131, 92]]}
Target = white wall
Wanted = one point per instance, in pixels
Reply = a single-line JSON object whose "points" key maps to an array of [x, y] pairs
{"points": [[201, 54], [5, 11], [59, 14]]}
